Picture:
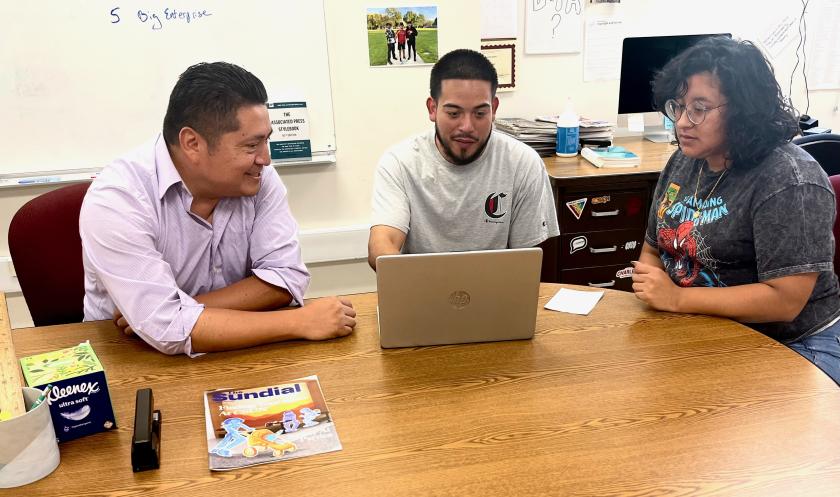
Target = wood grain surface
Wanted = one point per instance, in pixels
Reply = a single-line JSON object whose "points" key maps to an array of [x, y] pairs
{"points": [[623, 402], [654, 156]]}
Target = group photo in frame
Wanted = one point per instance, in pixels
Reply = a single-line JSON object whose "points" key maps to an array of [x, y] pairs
{"points": [[402, 36]]}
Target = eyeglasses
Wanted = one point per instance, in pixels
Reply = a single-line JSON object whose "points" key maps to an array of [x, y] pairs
{"points": [[696, 111]]}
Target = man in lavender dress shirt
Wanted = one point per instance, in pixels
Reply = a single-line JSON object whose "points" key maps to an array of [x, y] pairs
{"points": [[188, 242]]}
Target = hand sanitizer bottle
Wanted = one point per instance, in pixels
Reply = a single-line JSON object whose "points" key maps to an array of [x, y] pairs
{"points": [[568, 132]]}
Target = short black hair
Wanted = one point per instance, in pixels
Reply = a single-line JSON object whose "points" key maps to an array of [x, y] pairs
{"points": [[207, 97], [757, 116], [462, 64]]}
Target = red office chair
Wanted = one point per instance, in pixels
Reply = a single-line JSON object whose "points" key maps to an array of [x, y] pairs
{"points": [[47, 254], [835, 183]]}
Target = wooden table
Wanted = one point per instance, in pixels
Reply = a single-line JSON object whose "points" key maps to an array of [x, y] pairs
{"points": [[625, 401]]}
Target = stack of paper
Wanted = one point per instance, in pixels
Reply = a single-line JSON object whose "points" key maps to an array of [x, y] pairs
{"points": [[540, 136], [610, 157], [593, 132]]}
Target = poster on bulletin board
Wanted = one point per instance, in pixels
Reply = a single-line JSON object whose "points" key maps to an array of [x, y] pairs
{"points": [[553, 26]]}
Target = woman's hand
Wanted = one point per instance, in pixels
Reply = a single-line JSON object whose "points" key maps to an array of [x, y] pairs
{"points": [[653, 286]]}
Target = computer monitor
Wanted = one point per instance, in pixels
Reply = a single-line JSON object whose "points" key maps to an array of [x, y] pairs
{"points": [[641, 58]]}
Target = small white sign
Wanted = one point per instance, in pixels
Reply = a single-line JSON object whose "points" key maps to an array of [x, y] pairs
{"points": [[636, 123]]}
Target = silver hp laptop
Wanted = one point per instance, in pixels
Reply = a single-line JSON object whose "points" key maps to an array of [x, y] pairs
{"points": [[457, 297]]}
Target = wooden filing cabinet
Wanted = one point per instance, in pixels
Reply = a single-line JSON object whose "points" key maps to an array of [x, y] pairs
{"points": [[602, 215]]}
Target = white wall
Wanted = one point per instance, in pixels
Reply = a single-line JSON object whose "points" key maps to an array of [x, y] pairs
{"points": [[376, 107]]}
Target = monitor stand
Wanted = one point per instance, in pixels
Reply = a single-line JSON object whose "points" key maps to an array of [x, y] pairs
{"points": [[658, 136]]}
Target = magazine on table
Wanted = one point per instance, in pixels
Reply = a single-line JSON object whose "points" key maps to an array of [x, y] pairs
{"points": [[248, 426]]}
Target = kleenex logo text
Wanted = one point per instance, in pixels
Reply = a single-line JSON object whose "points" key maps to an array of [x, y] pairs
{"points": [[57, 394]]}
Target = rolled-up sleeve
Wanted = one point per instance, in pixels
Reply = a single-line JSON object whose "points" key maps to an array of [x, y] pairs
{"points": [[274, 246], [120, 255]]}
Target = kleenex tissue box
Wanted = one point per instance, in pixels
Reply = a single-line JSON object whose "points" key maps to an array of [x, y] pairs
{"points": [[79, 401]]}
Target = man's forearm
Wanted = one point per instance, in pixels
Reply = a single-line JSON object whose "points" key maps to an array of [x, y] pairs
{"points": [[384, 240], [224, 329], [381, 248], [249, 294]]}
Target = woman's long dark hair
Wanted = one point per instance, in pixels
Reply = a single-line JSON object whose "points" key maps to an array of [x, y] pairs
{"points": [[757, 117]]}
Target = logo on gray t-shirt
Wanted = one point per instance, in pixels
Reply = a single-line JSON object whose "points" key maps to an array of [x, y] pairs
{"points": [[493, 206]]}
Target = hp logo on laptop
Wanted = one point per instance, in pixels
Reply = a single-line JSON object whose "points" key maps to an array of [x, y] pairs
{"points": [[459, 299]]}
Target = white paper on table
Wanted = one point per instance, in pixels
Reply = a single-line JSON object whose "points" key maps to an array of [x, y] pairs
{"points": [[602, 55], [498, 19], [574, 301]]}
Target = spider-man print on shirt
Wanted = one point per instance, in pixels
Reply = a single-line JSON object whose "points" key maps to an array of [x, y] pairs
{"points": [[685, 256]]}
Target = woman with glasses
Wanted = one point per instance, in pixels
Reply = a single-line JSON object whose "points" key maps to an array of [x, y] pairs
{"points": [[741, 221]]}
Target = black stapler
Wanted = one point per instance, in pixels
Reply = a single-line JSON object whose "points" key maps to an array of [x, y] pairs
{"points": [[145, 444]]}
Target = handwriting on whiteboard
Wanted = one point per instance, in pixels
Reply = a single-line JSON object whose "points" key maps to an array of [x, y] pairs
{"points": [[553, 26], [560, 7], [157, 20]]}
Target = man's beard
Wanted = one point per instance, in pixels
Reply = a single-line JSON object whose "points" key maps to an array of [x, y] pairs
{"points": [[450, 154]]}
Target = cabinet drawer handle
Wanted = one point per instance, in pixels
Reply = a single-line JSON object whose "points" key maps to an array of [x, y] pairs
{"points": [[603, 250], [606, 284], [605, 213]]}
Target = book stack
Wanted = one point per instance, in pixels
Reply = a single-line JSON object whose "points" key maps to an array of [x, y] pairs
{"points": [[593, 132], [541, 136], [610, 157]]}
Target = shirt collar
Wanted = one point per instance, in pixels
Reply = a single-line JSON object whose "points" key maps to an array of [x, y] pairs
{"points": [[166, 172]]}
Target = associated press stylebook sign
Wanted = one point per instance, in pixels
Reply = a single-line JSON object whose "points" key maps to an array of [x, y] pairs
{"points": [[290, 125]]}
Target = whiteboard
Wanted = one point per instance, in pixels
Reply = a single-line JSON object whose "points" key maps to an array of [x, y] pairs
{"points": [[84, 82], [553, 26]]}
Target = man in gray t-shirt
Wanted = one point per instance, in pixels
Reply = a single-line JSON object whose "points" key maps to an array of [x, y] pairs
{"points": [[462, 186]]}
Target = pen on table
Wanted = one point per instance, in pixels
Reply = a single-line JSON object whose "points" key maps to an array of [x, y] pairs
{"points": [[41, 398], [47, 179]]}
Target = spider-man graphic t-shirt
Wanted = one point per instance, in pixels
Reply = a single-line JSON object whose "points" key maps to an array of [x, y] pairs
{"points": [[748, 224]]}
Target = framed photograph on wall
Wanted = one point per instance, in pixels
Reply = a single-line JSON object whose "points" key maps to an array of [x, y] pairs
{"points": [[402, 36], [503, 58]]}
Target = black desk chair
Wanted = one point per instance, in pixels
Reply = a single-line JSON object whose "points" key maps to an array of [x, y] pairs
{"points": [[825, 148]]}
